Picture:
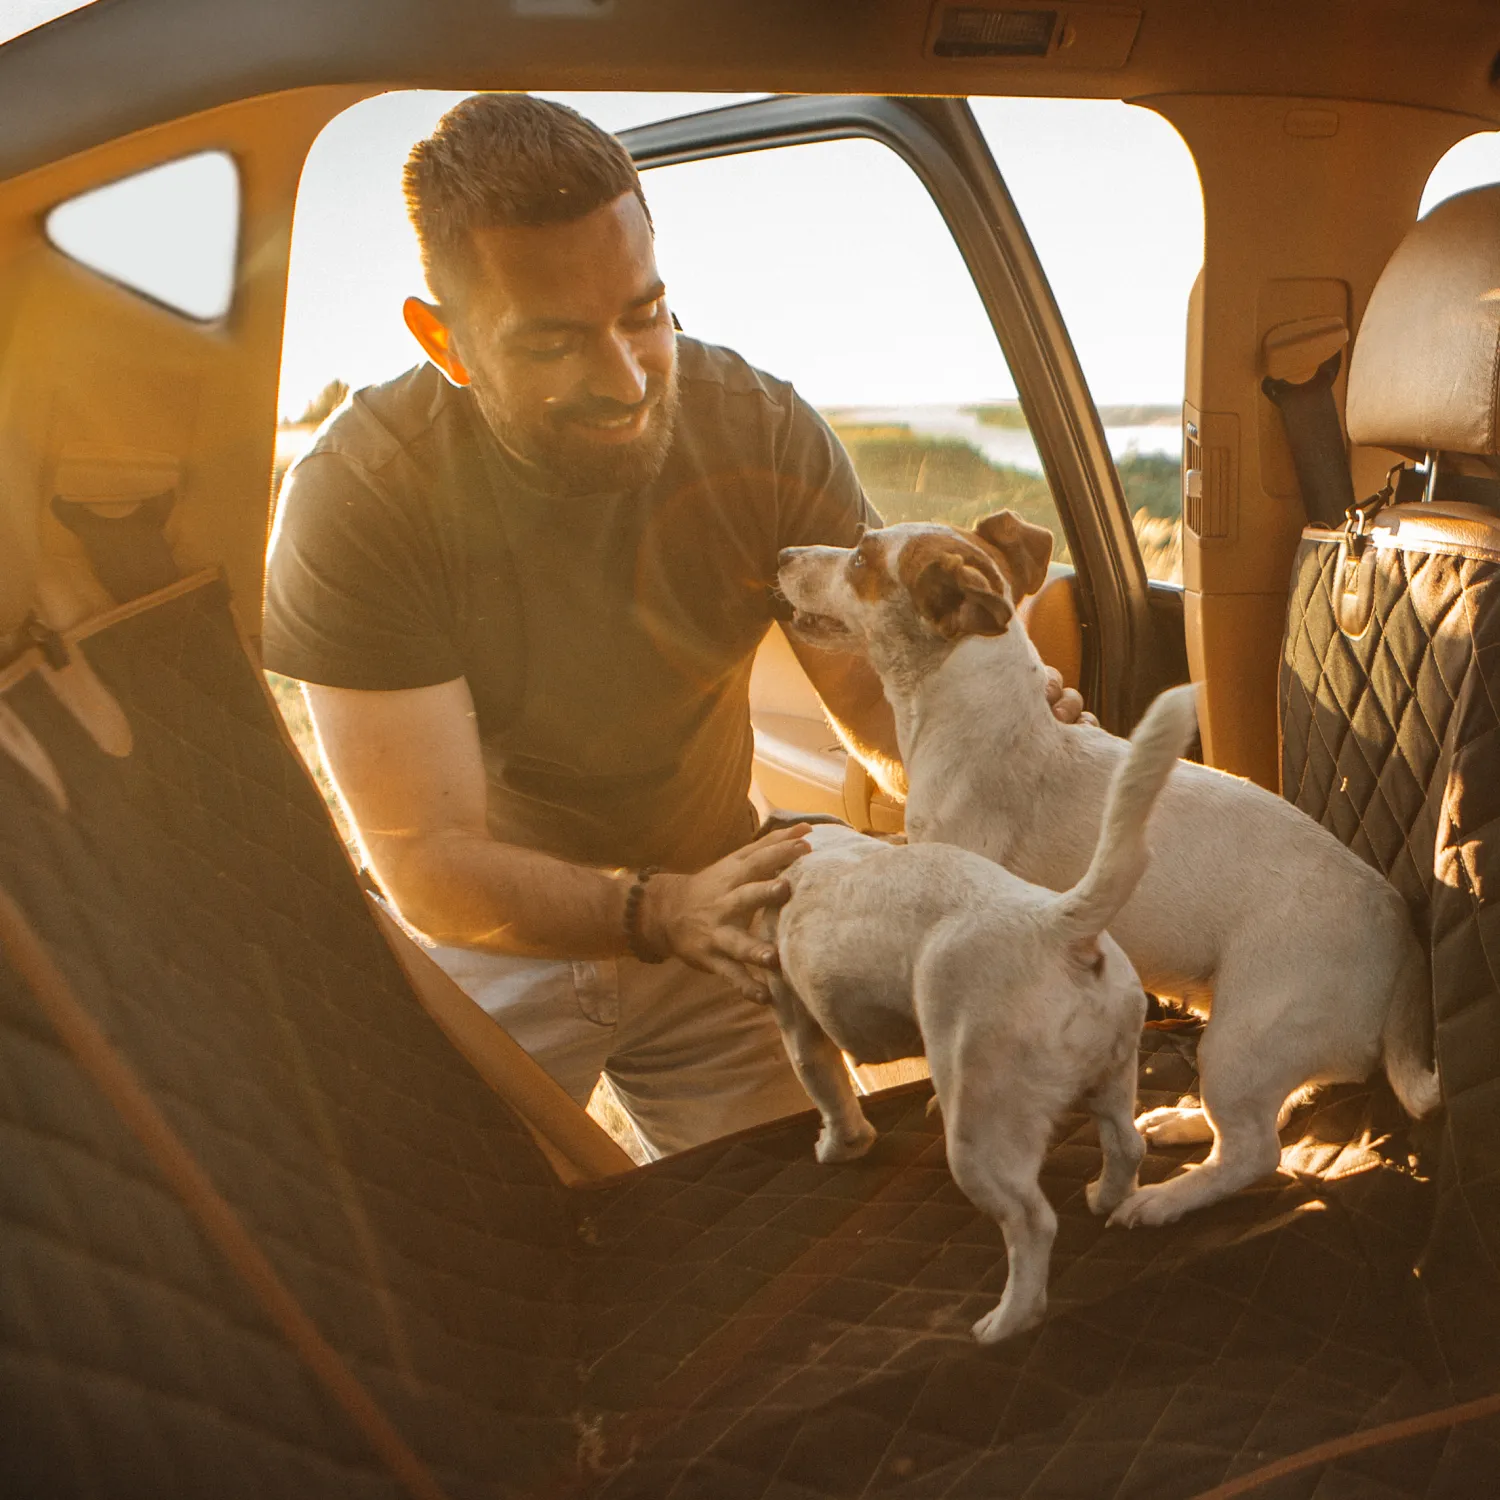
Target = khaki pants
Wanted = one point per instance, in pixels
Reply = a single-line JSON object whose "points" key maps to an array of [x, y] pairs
{"points": [[687, 1057]]}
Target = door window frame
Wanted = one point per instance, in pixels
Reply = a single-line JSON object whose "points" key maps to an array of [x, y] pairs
{"points": [[940, 140]]}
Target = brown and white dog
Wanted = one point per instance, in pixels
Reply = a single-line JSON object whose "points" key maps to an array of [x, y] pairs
{"points": [[1019, 999], [1302, 956]]}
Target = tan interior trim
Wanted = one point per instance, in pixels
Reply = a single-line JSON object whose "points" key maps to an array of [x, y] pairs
{"points": [[579, 1150], [1055, 627], [1294, 351], [113, 1076]]}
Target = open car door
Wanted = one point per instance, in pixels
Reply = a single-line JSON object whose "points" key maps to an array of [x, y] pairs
{"points": [[808, 193]]}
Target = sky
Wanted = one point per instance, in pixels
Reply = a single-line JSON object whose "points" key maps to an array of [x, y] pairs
{"points": [[17, 16], [827, 264]]}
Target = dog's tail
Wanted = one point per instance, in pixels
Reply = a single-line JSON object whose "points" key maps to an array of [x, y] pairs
{"points": [[1407, 1038], [1120, 856]]}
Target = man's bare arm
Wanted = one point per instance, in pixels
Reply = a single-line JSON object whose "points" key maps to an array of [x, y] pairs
{"points": [[861, 715], [408, 767], [858, 710]]}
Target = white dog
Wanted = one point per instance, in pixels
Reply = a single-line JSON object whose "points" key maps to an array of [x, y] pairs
{"points": [[1251, 912], [1020, 1000]]}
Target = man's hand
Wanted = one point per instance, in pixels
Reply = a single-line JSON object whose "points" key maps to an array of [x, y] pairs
{"points": [[704, 919], [1066, 703]]}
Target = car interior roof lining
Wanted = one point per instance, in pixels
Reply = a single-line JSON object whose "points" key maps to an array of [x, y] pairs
{"points": [[78, 81]]}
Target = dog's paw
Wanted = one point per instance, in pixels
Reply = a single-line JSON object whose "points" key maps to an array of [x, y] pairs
{"points": [[1179, 1125], [842, 1146], [1147, 1207], [1004, 1322], [1102, 1202]]}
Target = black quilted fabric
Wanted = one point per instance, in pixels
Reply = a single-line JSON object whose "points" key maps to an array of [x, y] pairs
{"points": [[199, 909], [734, 1322], [768, 1333], [1392, 739]]}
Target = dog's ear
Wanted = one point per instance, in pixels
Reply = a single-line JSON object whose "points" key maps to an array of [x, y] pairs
{"points": [[956, 599], [1024, 550]]}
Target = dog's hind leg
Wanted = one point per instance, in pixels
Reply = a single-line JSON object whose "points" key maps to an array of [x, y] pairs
{"points": [[1244, 1089], [820, 1069], [1112, 1105], [995, 1152]]}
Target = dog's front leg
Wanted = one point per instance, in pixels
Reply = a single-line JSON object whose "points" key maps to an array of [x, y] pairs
{"points": [[819, 1065]]}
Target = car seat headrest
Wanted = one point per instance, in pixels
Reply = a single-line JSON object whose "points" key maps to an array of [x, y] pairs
{"points": [[1423, 373]]}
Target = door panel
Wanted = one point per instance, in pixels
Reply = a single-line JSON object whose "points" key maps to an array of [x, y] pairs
{"points": [[108, 396]]}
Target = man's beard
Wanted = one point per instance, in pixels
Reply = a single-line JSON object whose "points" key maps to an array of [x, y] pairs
{"points": [[566, 463]]}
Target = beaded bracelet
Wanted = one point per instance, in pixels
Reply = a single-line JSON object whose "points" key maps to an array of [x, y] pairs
{"points": [[634, 940]]}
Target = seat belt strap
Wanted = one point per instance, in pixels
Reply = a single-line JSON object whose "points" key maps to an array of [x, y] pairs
{"points": [[129, 554], [1311, 418]]}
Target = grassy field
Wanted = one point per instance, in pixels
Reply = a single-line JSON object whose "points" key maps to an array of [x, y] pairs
{"points": [[911, 476], [1009, 414], [914, 477]]}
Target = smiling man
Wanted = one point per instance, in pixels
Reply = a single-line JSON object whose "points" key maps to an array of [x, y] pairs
{"points": [[524, 584]]}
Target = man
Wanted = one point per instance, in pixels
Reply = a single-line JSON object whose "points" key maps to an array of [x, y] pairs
{"points": [[524, 584]]}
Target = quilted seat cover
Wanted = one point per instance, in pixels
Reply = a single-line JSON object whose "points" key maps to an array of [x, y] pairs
{"points": [[1391, 738], [734, 1322]]}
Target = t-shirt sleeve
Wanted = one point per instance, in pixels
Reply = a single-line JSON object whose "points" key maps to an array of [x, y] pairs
{"points": [[821, 502], [352, 596]]}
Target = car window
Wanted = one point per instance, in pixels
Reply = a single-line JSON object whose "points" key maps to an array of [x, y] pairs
{"points": [[170, 233], [1111, 199], [829, 265], [354, 257], [1473, 162], [20, 16]]}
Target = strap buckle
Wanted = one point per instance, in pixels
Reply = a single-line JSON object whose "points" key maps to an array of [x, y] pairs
{"points": [[1360, 517], [35, 631]]}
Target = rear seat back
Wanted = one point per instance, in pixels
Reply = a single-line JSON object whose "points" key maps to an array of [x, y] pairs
{"points": [[198, 908], [1390, 693]]}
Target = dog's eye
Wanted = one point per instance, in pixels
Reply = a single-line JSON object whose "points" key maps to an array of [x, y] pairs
{"points": [[857, 560]]}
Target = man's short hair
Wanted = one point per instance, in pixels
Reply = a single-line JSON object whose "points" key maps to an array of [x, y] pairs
{"points": [[506, 161]]}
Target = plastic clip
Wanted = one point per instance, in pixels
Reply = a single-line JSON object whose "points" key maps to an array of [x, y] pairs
{"points": [[36, 632]]}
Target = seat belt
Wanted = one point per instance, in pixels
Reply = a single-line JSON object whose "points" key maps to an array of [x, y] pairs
{"points": [[1303, 394], [129, 554], [1299, 382]]}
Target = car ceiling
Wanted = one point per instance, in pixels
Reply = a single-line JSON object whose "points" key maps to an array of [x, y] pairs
{"points": [[118, 66]]}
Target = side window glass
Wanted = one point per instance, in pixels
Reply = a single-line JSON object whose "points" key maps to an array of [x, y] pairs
{"points": [[1473, 162], [1112, 202], [829, 265], [170, 233]]}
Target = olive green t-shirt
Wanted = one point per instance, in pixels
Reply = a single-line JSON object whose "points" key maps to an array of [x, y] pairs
{"points": [[606, 639]]}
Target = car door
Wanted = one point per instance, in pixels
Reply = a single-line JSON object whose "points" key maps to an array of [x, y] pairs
{"points": [[833, 203]]}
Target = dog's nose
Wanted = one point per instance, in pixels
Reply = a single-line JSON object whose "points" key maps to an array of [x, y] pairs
{"points": [[785, 556]]}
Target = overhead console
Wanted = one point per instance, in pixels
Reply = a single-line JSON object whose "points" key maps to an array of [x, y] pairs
{"points": [[1054, 36]]}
